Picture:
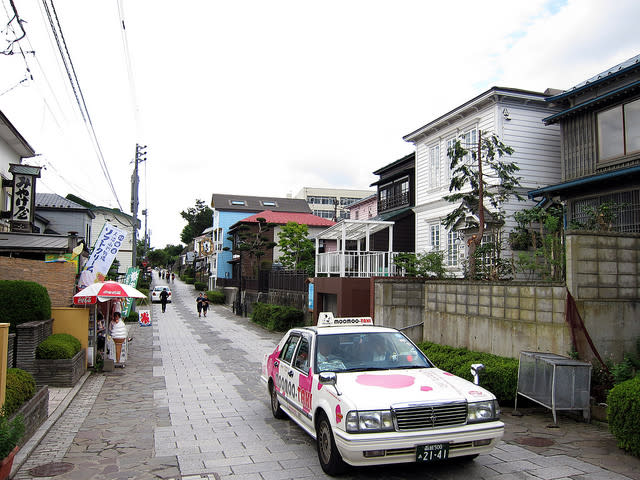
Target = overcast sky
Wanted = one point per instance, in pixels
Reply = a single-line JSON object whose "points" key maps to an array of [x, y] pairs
{"points": [[266, 97]]}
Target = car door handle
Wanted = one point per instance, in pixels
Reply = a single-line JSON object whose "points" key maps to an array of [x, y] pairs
{"points": [[290, 373]]}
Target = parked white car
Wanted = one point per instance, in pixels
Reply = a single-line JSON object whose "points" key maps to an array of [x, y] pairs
{"points": [[369, 396], [155, 293]]}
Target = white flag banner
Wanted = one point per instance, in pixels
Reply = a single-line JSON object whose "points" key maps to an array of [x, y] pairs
{"points": [[104, 252]]}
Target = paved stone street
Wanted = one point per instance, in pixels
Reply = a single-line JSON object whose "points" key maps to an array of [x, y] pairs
{"points": [[189, 404]]}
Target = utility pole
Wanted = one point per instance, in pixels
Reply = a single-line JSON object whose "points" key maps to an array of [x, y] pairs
{"points": [[146, 238], [140, 157]]}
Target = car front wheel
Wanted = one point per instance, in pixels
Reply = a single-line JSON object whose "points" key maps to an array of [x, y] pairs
{"points": [[328, 454]]}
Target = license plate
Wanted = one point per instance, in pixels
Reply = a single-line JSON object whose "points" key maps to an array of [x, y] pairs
{"points": [[430, 453]]}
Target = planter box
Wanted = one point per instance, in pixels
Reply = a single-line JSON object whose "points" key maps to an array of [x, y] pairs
{"points": [[34, 412], [60, 373]]}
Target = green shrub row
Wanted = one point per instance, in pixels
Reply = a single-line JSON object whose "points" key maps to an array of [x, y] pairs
{"points": [[189, 280], [277, 317], [58, 346], [623, 413], [132, 317], [200, 286], [21, 387], [215, 296], [22, 302], [500, 375]]}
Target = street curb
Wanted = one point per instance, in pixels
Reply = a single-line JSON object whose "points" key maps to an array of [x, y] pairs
{"points": [[26, 450]]}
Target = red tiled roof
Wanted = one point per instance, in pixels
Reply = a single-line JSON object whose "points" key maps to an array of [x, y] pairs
{"points": [[282, 218]]}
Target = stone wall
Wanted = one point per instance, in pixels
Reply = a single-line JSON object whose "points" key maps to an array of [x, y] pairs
{"points": [[58, 278], [34, 412], [399, 303], [28, 336], [602, 276]]}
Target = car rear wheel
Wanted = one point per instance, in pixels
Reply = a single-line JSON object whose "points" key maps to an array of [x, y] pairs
{"points": [[275, 404], [328, 454]]}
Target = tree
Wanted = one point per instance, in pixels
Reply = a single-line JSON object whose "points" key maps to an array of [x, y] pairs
{"points": [[298, 251], [473, 190], [199, 218], [253, 241]]}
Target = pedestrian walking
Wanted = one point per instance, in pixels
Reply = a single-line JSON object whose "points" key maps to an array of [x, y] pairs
{"points": [[164, 296], [199, 303], [173, 277], [205, 304]]}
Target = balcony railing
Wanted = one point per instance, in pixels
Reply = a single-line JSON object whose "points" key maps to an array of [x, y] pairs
{"points": [[394, 201], [357, 264]]}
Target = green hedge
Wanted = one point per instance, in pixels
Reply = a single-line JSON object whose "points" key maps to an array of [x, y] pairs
{"points": [[200, 286], [623, 413], [189, 280], [215, 296], [277, 317], [500, 375], [22, 302], [58, 346], [21, 387], [132, 317]]}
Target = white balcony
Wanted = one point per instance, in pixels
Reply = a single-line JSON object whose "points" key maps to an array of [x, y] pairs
{"points": [[355, 263]]}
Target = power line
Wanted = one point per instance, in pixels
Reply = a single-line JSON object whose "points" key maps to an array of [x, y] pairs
{"points": [[77, 91]]}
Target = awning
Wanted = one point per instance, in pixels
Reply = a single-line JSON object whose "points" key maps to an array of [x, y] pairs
{"points": [[586, 183], [353, 229]]}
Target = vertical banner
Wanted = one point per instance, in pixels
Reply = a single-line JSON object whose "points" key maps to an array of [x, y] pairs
{"points": [[130, 279], [144, 318], [104, 252]]}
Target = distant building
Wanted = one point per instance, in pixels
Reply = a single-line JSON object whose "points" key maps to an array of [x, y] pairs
{"points": [[364, 209], [331, 203], [229, 209], [64, 216]]}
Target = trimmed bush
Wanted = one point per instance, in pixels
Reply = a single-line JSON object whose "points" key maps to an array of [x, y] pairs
{"points": [[22, 302], [215, 296], [189, 280], [58, 346], [200, 286], [277, 317], [21, 387], [623, 413], [500, 375], [132, 317]]}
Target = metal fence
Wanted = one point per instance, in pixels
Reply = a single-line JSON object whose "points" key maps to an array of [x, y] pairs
{"points": [[292, 280]]}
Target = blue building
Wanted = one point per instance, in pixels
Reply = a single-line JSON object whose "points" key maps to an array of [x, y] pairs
{"points": [[229, 209]]}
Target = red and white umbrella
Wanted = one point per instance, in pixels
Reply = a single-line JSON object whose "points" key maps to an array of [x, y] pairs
{"points": [[104, 291]]}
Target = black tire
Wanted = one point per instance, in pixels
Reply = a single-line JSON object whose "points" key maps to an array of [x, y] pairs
{"points": [[328, 454], [275, 404]]}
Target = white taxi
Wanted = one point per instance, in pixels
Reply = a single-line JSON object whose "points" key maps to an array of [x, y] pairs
{"points": [[369, 396]]}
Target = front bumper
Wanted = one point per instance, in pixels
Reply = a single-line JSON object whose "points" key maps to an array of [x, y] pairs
{"points": [[400, 447]]}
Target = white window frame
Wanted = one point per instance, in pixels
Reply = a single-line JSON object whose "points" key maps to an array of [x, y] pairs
{"points": [[434, 236], [435, 167], [453, 248]]}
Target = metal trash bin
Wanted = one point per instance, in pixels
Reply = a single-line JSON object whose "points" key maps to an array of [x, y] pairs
{"points": [[555, 382]]}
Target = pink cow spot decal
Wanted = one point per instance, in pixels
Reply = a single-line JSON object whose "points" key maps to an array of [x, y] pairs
{"points": [[426, 389], [475, 393], [338, 414], [448, 374], [386, 381]]}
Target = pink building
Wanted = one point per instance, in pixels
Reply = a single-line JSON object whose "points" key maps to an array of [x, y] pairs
{"points": [[364, 209]]}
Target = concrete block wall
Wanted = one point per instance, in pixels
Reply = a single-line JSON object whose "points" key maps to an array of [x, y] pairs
{"points": [[603, 276], [58, 278], [499, 318], [28, 336], [399, 303]]}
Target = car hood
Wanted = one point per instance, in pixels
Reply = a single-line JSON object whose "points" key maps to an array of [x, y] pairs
{"points": [[380, 389]]}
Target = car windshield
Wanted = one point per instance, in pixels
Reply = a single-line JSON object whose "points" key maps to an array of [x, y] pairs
{"points": [[348, 352]]}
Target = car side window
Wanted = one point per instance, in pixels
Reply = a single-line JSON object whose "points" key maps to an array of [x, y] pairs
{"points": [[301, 361], [289, 347]]}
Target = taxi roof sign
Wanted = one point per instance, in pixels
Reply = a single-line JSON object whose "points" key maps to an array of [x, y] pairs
{"points": [[326, 319]]}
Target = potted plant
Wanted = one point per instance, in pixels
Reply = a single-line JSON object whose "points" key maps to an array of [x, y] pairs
{"points": [[11, 432]]}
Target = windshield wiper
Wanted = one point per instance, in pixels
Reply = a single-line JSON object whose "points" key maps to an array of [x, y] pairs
{"points": [[365, 369]]}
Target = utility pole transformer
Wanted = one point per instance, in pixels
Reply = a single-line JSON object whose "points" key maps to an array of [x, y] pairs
{"points": [[135, 180]]}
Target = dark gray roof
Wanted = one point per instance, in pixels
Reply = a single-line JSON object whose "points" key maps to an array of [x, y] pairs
{"points": [[610, 73], [53, 200], [246, 203], [10, 134], [33, 242]]}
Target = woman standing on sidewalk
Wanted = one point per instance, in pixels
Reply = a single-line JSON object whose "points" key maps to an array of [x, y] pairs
{"points": [[205, 304]]}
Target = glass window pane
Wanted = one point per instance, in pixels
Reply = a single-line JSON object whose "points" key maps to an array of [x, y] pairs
{"points": [[610, 139], [632, 126]]}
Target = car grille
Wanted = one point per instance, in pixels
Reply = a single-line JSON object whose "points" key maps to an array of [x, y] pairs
{"points": [[416, 417]]}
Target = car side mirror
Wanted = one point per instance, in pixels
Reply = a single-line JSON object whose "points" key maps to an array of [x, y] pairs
{"points": [[329, 378], [476, 368]]}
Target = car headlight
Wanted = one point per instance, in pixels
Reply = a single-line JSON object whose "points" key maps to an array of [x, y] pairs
{"points": [[369, 421], [483, 411]]}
